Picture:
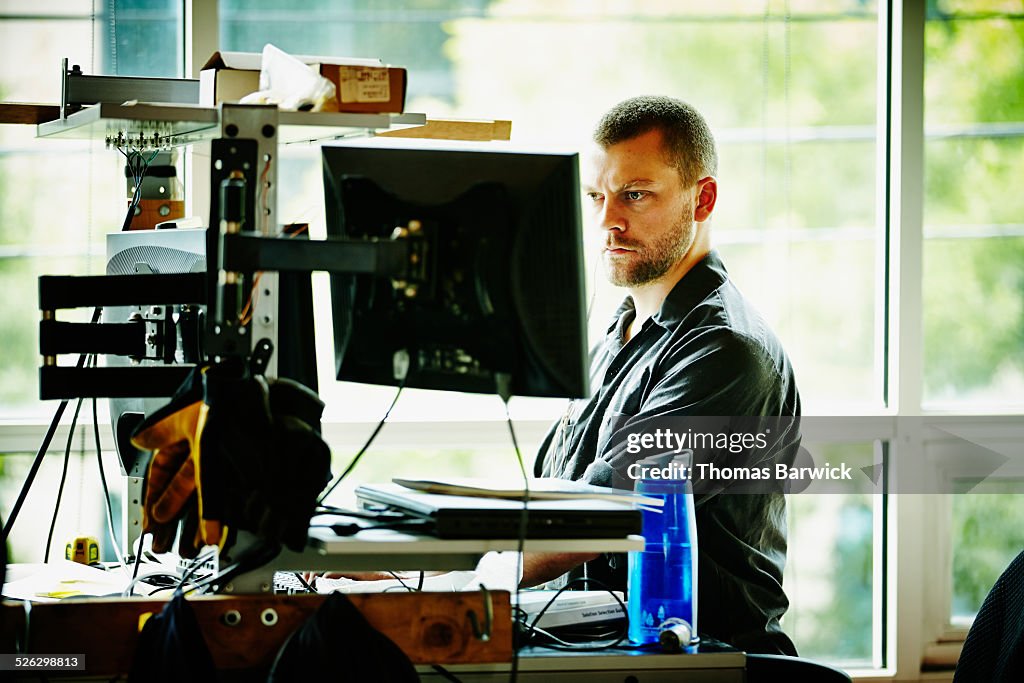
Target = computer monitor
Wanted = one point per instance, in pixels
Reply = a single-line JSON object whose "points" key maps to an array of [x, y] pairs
{"points": [[505, 290]]}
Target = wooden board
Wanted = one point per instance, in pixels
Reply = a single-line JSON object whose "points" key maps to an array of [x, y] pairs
{"points": [[431, 628], [452, 129], [28, 112]]}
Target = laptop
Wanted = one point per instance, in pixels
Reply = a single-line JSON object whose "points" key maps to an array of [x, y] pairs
{"points": [[456, 517]]}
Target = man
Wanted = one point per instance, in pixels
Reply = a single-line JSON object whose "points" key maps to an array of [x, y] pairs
{"points": [[683, 343]]}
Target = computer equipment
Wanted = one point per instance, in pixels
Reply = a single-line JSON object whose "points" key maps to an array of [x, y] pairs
{"points": [[469, 517], [175, 336], [570, 608], [504, 296]]}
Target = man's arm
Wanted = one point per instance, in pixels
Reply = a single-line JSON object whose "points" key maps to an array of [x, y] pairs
{"points": [[542, 567]]}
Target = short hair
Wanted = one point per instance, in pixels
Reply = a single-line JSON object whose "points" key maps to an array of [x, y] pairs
{"points": [[687, 138]]}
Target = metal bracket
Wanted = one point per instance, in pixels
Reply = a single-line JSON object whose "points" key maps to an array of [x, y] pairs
{"points": [[483, 634], [77, 89]]}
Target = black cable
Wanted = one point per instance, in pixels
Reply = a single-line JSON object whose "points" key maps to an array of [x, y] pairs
{"points": [[532, 627], [138, 166], [381, 515], [195, 564], [404, 584], [250, 558], [138, 561], [305, 584], [523, 518], [103, 476], [63, 478], [445, 673], [43, 448], [420, 525], [359, 455], [137, 193]]}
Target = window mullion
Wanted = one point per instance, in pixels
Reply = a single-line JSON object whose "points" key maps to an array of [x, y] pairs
{"points": [[904, 139]]}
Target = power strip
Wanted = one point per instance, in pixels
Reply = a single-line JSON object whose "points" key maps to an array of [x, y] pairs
{"points": [[571, 608]]}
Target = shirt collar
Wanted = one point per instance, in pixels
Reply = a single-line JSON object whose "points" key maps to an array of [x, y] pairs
{"points": [[705, 277]]}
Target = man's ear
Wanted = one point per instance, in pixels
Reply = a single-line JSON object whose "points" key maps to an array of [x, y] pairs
{"points": [[707, 195]]}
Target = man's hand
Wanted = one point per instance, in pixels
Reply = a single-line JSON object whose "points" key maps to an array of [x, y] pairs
{"points": [[543, 567]]}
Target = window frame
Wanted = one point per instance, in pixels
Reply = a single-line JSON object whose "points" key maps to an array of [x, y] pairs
{"points": [[913, 544]]}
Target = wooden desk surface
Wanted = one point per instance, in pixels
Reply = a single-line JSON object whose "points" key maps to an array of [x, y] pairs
{"points": [[432, 628]]}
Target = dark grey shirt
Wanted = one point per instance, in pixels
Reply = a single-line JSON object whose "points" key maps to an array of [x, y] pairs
{"points": [[706, 352]]}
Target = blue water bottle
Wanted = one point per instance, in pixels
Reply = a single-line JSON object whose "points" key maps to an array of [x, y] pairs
{"points": [[662, 590]]}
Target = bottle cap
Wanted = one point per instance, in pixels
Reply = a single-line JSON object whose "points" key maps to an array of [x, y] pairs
{"points": [[674, 634]]}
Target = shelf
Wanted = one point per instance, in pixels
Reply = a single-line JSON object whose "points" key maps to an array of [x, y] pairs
{"points": [[153, 126], [380, 549]]}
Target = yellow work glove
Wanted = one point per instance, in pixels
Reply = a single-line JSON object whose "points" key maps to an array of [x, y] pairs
{"points": [[233, 451], [174, 433], [170, 479]]}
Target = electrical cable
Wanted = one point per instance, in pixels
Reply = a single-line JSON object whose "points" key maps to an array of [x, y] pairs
{"points": [[138, 172], [387, 515], [404, 584], [138, 561], [43, 448], [250, 558], [445, 673], [523, 515], [305, 584], [359, 455], [138, 166], [103, 481], [561, 644], [195, 564], [420, 525], [136, 580], [142, 165], [136, 193], [245, 315], [63, 478]]}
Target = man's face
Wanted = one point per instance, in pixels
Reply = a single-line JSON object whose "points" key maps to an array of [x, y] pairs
{"points": [[645, 214]]}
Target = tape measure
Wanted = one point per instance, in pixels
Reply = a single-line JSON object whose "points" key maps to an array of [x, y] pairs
{"points": [[83, 549]]}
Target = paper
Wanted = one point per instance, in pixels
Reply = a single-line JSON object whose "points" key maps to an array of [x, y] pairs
{"points": [[545, 488], [61, 579], [291, 84]]}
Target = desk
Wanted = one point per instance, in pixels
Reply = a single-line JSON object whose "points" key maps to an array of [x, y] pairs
{"points": [[713, 664], [247, 650], [429, 627]]}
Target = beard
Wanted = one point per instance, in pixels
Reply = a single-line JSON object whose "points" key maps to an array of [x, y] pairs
{"points": [[650, 261]]}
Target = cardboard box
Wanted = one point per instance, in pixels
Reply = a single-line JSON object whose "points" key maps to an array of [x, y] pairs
{"points": [[362, 85]]}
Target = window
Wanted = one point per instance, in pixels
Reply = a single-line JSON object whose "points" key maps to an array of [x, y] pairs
{"points": [[974, 235], [791, 128], [834, 555], [987, 525], [973, 287], [793, 90], [59, 198], [57, 201]]}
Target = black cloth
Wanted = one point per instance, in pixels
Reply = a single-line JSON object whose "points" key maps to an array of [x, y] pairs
{"points": [[171, 647], [706, 352], [337, 643], [994, 649]]}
